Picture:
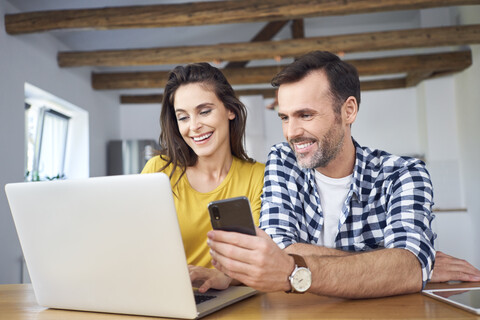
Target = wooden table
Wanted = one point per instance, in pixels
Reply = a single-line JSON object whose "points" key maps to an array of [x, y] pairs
{"points": [[18, 302]]}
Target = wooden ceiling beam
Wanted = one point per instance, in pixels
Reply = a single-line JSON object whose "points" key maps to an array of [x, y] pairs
{"points": [[141, 99], [267, 33], [202, 13], [438, 62], [270, 92], [298, 29], [129, 80], [415, 77], [370, 41], [384, 84]]}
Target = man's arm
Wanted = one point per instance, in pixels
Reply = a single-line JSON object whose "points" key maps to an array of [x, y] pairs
{"points": [[259, 263], [305, 249], [371, 274]]}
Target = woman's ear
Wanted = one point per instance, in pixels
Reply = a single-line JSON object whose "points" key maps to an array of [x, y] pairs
{"points": [[350, 109], [231, 115]]}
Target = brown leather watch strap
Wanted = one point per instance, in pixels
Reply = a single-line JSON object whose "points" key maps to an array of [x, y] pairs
{"points": [[299, 261]]}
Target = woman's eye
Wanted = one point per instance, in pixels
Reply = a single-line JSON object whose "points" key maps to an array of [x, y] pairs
{"points": [[182, 118], [205, 112]]}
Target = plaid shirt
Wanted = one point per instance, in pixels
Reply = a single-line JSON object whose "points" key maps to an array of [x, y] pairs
{"points": [[388, 204]]}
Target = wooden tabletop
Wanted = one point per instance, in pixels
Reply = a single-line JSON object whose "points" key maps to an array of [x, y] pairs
{"points": [[18, 302]]}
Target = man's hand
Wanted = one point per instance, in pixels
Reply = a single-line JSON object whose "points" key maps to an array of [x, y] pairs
{"points": [[205, 278], [256, 261], [449, 268]]}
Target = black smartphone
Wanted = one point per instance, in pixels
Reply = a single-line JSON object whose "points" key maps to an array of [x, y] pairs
{"points": [[233, 214]]}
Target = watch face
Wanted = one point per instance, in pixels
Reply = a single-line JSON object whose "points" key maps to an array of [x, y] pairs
{"points": [[302, 279]]}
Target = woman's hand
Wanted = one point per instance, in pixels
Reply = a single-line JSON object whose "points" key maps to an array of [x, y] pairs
{"points": [[205, 278]]}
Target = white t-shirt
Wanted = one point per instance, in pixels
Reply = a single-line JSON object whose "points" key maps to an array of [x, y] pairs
{"points": [[333, 193]]}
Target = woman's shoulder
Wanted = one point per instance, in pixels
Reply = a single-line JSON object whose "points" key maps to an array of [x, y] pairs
{"points": [[156, 163], [251, 167]]}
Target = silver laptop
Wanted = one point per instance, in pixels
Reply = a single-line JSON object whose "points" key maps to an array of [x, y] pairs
{"points": [[464, 298], [109, 244]]}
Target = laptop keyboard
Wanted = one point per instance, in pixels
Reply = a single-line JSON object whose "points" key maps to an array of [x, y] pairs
{"points": [[199, 298]]}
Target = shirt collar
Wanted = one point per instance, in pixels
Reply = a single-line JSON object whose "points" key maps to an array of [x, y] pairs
{"points": [[358, 171]]}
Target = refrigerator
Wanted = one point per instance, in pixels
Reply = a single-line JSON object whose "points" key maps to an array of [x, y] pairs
{"points": [[129, 156]]}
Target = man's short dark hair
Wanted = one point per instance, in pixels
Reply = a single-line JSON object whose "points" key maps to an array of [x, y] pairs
{"points": [[342, 76]]}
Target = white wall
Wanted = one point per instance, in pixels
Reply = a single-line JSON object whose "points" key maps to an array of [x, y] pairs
{"points": [[32, 58], [140, 121], [468, 118], [394, 114]]}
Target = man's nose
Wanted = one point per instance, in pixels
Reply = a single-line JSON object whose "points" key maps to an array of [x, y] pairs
{"points": [[292, 129]]}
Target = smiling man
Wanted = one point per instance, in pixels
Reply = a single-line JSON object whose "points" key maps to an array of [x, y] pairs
{"points": [[352, 221]]}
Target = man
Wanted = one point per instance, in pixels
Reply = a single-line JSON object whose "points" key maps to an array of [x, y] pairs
{"points": [[353, 222]]}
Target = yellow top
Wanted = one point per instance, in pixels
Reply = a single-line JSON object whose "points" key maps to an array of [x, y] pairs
{"points": [[243, 179]]}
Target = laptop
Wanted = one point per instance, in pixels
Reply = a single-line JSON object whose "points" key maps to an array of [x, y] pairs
{"points": [[109, 244], [464, 298]]}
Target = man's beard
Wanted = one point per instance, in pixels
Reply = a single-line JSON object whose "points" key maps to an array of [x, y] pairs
{"points": [[328, 149]]}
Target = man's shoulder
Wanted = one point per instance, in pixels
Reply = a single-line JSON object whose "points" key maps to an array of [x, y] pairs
{"points": [[283, 152], [283, 162], [379, 161]]}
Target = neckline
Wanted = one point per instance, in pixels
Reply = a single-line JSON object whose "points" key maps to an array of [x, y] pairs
{"points": [[221, 185]]}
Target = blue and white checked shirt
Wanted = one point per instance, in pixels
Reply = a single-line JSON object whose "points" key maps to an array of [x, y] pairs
{"points": [[388, 205]]}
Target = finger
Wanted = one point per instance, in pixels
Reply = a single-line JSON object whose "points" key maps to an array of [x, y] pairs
{"points": [[458, 265], [205, 286], [231, 267], [232, 251], [198, 273], [240, 277], [191, 267], [195, 277], [461, 276], [235, 238]]}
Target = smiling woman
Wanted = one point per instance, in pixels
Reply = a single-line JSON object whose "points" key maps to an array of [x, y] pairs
{"points": [[202, 150]]}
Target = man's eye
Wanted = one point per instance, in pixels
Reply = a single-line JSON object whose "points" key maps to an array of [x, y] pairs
{"points": [[283, 118], [306, 116]]}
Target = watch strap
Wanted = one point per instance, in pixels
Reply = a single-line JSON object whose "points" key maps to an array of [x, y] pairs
{"points": [[299, 261]]}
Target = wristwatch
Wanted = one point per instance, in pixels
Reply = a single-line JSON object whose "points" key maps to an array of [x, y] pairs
{"points": [[301, 277]]}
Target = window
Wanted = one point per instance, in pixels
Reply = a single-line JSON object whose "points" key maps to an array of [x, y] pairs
{"points": [[46, 142], [52, 127]]}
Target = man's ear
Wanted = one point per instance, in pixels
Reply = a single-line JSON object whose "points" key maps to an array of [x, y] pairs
{"points": [[349, 110]]}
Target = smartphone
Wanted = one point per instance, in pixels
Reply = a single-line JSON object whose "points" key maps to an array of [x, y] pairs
{"points": [[233, 214]]}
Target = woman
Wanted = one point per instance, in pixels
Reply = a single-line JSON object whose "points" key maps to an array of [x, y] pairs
{"points": [[203, 127]]}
